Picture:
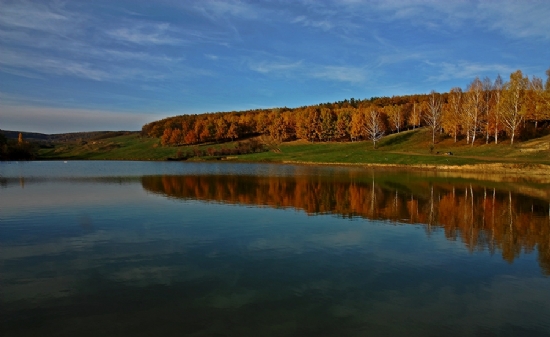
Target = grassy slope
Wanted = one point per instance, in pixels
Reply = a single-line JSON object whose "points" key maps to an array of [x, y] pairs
{"points": [[408, 148], [129, 147], [412, 148]]}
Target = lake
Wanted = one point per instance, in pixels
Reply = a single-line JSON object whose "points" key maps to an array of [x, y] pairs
{"points": [[224, 249]]}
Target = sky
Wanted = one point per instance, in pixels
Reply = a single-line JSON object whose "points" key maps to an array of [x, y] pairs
{"points": [[80, 65]]}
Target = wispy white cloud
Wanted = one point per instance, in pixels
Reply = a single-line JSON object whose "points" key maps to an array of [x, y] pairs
{"points": [[224, 8], [110, 68], [340, 73], [466, 70], [510, 17], [21, 73], [145, 34], [13, 59], [306, 22], [47, 38], [301, 69], [275, 67], [135, 55], [36, 16], [516, 18]]}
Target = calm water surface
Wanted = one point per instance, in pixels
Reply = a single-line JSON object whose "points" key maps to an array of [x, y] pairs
{"points": [[183, 249]]}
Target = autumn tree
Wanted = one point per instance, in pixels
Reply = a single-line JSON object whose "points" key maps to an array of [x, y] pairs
{"points": [[233, 131], [487, 89], [190, 137], [233, 127], [282, 127], [208, 131], [308, 124], [453, 113], [513, 101], [166, 136], [221, 129], [343, 124], [497, 107], [176, 137], [247, 124], [536, 105], [357, 125], [415, 116], [395, 116], [327, 125], [432, 118], [277, 127], [262, 122], [373, 126], [473, 107]]}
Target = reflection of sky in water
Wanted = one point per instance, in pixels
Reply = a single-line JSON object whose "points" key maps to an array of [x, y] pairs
{"points": [[75, 256]]}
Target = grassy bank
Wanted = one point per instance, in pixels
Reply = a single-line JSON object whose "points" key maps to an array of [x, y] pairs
{"points": [[410, 148]]}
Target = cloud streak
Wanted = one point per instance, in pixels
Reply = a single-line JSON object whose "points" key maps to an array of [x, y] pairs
{"points": [[340, 73], [14, 58], [304, 21], [155, 34], [275, 67], [512, 18], [300, 70], [467, 70], [35, 16]]}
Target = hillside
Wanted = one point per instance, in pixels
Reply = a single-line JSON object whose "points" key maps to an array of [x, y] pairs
{"points": [[411, 148], [62, 137]]}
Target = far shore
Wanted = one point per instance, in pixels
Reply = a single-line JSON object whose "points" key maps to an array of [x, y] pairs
{"points": [[495, 168], [410, 150]]}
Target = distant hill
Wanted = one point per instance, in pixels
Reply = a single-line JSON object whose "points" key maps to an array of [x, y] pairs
{"points": [[64, 137]]}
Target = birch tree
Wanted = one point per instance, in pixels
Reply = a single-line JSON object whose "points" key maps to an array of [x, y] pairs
{"points": [[414, 117], [497, 107], [373, 126], [453, 112], [432, 118], [536, 101], [513, 101], [473, 107], [395, 115], [487, 100]]}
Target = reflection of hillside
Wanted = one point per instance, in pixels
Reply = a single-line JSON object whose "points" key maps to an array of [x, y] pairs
{"points": [[481, 218]]}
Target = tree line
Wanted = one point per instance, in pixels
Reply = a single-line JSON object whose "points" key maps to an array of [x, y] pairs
{"points": [[20, 149], [486, 109]]}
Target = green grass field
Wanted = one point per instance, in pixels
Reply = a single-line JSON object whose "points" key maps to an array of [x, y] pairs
{"points": [[406, 148]]}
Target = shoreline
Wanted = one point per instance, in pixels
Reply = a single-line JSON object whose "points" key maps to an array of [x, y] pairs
{"points": [[515, 169], [526, 169]]}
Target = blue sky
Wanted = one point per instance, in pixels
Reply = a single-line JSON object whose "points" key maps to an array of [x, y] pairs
{"points": [[115, 65]]}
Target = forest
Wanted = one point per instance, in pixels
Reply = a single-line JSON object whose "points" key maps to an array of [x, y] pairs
{"points": [[487, 111]]}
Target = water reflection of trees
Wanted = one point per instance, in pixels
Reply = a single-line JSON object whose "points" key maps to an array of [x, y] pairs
{"points": [[480, 217]]}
